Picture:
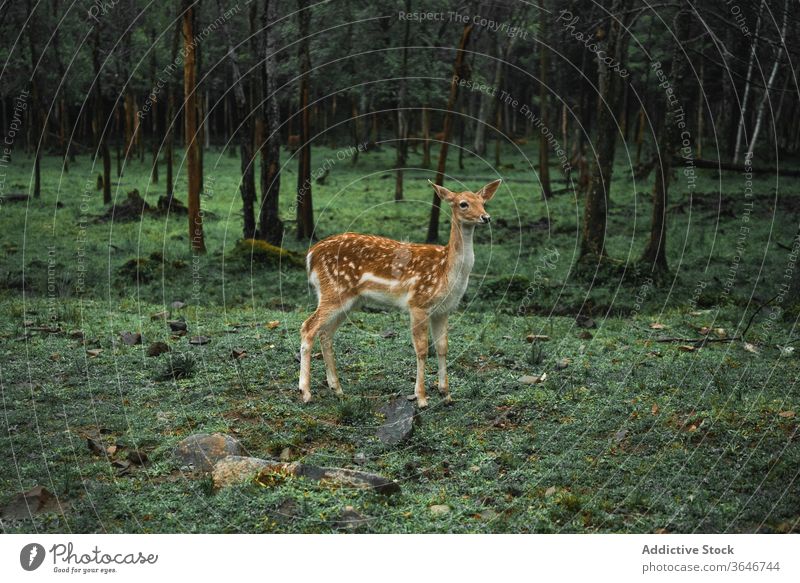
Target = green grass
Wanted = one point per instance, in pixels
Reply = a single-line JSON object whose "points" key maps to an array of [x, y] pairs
{"points": [[632, 436]]}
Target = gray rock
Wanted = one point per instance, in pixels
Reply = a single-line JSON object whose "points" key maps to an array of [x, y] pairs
{"points": [[202, 450], [400, 416], [440, 509], [346, 477]]}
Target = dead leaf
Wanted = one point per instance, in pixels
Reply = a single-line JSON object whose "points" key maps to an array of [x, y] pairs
{"points": [[94, 352], [720, 332], [111, 450], [550, 491], [620, 435], [657, 326], [786, 414], [239, 353], [687, 348], [751, 348], [273, 324], [655, 409], [163, 315], [532, 379], [138, 458], [537, 338]]}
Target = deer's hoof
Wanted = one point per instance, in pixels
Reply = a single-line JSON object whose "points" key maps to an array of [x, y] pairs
{"points": [[422, 403], [306, 397], [448, 400]]}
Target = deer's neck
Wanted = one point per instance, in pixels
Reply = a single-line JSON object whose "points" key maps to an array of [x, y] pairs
{"points": [[460, 256]]}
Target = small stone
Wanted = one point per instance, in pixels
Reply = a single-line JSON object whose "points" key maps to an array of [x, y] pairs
{"points": [[199, 340], [286, 511], [157, 348], [163, 315], [234, 469], [202, 450], [488, 515], [550, 491], [287, 454], [563, 363], [585, 335], [178, 305], [360, 458], [131, 338], [177, 325], [439, 509], [400, 415], [585, 322]]}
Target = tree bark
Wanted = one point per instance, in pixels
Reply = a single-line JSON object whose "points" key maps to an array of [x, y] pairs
{"points": [[270, 225], [426, 137], [305, 211], [36, 117], [196, 237], [433, 224], [100, 137]]}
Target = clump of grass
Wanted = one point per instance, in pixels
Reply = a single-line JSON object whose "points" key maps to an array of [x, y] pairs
{"points": [[353, 411], [180, 366]]}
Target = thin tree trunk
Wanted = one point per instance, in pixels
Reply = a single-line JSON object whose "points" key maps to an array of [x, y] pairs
{"points": [[243, 122], [488, 103], [751, 60], [544, 110], [196, 237], [100, 137], [305, 210], [36, 118], [270, 225], [402, 118], [772, 75], [426, 137], [433, 225]]}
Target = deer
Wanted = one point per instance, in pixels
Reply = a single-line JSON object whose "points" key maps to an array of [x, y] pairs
{"points": [[427, 281]]}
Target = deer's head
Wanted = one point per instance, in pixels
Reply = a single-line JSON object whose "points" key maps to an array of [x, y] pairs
{"points": [[468, 206]]}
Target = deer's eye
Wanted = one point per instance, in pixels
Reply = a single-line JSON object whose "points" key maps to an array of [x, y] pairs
{"points": [[463, 204]]}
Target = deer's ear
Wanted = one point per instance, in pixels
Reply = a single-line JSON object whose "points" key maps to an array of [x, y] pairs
{"points": [[443, 193], [487, 192]]}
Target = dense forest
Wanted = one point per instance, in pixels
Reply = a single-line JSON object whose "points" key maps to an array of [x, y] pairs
{"points": [[624, 355]]}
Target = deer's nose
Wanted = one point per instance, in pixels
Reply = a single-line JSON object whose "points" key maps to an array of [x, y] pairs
{"points": [[485, 219]]}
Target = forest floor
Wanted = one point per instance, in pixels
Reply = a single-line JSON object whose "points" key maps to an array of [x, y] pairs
{"points": [[627, 432]]}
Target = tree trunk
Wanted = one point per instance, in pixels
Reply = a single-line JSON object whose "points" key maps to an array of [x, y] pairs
{"points": [[655, 253], [270, 225], [154, 111], [402, 118], [544, 110], [171, 120], [98, 127], [36, 117], [426, 137], [770, 82], [305, 210], [488, 103], [433, 225], [196, 237], [242, 121], [594, 216], [751, 60]]}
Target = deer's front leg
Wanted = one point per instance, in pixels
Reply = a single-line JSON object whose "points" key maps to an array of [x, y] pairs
{"points": [[439, 330], [419, 334]]}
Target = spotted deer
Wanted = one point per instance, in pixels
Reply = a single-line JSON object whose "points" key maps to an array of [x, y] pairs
{"points": [[427, 281]]}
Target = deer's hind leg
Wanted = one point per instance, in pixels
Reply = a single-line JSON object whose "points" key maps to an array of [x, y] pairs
{"points": [[419, 335], [326, 334]]}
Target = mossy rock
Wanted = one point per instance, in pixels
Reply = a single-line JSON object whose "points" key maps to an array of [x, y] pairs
{"points": [[263, 252]]}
